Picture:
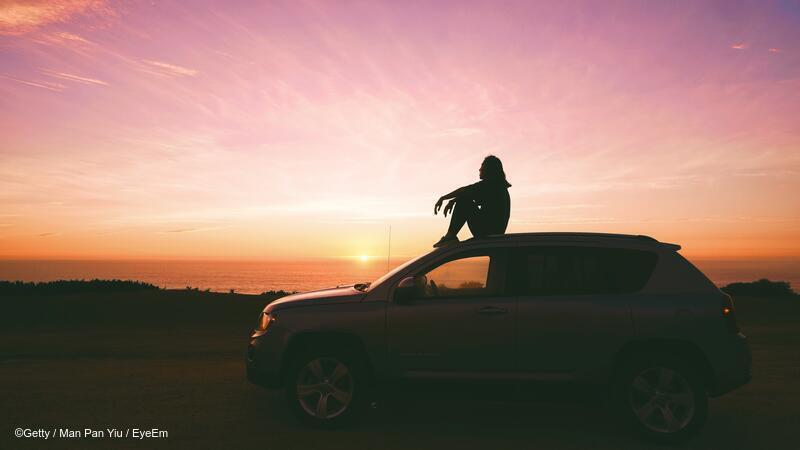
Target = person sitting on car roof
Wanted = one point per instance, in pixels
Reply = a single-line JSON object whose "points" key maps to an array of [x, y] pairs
{"points": [[484, 206]]}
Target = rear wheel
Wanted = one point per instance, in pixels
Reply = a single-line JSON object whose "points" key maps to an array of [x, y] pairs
{"points": [[662, 397], [327, 388]]}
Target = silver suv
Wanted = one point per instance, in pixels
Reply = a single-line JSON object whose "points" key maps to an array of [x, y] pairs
{"points": [[622, 312]]}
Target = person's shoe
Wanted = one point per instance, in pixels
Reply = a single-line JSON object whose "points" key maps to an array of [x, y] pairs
{"points": [[446, 240]]}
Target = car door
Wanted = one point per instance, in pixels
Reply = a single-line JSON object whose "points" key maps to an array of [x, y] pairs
{"points": [[573, 307], [460, 322]]}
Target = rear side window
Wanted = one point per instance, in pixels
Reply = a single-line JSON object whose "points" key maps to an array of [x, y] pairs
{"points": [[583, 270]]}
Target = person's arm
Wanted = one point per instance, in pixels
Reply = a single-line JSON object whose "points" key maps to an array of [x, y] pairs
{"points": [[457, 193], [464, 191]]}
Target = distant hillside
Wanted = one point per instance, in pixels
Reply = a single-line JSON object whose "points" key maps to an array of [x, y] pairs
{"points": [[761, 288], [94, 286], [73, 286]]}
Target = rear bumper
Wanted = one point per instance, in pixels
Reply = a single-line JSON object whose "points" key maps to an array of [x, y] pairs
{"points": [[735, 369]]}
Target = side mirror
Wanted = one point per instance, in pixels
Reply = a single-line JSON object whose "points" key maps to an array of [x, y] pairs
{"points": [[409, 288]]}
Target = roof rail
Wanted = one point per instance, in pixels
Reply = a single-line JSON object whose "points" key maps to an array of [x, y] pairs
{"points": [[575, 234], [588, 235]]}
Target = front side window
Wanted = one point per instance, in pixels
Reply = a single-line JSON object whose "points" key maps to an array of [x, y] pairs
{"points": [[464, 277]]}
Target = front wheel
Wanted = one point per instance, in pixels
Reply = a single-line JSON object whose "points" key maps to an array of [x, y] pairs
{"points": [[663, 398], [326, 388]]}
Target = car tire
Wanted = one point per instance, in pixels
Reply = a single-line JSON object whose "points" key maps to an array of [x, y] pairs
{"points": [[327, 388], [662, 397]]}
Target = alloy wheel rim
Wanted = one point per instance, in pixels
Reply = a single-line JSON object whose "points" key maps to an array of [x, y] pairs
{"points": [[324, 388], [662, 399]]}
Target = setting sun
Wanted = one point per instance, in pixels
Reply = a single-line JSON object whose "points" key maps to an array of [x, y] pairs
{"points": [[363, 258]]}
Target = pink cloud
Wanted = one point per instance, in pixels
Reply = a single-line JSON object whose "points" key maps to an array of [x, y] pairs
{"points": [[740, 46], [774, 50], [170, 69], [57, 87], [20, 17], [75, 78], [60, 38]]}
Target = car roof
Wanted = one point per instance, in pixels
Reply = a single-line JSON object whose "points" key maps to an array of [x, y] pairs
{"points": [[562, 236]]}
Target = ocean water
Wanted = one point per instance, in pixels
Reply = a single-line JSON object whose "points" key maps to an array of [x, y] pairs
{"points": [[247, 277], [253, 277]]}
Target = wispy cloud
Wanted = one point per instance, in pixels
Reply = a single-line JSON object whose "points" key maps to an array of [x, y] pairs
{"points": [[559, 207], [774, 50], [739, 46], [193, 230], [70, 37], [170, 69], [75, 78], [385, 218], [57, 87], [21, 16], [59, 39], [47, 234], [566, 220], [668, 220], [460, 132]]}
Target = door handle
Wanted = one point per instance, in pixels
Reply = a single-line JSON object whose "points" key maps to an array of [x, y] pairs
{"points": [[491, 310]]}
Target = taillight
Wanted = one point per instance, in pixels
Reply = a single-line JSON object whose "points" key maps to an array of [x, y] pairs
{"points": [[729, 313]]}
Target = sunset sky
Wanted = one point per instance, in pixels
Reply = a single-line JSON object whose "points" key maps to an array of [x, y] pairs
{"points": [[248, 130]]}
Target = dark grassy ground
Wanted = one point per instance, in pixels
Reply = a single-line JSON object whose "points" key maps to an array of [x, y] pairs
{"points": [[173, 360]]}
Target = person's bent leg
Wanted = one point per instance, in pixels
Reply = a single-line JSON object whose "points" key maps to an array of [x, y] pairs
{"points": [[478, 226], [462, 212]]}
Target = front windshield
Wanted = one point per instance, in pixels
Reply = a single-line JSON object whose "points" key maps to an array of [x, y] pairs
{"points": [[395, 270]]}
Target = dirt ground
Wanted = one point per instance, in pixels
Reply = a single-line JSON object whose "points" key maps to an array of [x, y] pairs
{"points": [[173, 361]]}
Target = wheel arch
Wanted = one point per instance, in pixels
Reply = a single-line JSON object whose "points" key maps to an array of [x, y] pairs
{"points": [[325, 340], [684, 350]]}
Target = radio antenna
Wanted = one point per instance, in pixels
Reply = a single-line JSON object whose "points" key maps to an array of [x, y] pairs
{"points": [[389, 250]]}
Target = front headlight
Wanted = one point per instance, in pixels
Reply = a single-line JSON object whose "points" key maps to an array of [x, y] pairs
{"points": [[264, 321]]}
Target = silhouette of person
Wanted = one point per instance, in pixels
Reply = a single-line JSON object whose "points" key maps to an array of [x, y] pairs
{"points": [[484, 206]]}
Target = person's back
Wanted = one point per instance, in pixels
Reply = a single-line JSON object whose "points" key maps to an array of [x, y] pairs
{"points": [[494, 207]]}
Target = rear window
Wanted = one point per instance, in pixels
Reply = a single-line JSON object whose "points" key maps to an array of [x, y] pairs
{"points": [[584, 270]]}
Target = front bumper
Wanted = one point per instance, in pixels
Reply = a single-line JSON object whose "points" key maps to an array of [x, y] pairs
{"points": [[263, 363]]}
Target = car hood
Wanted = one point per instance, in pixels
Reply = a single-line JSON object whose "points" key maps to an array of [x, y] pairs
{"points": [[339, 294]]}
